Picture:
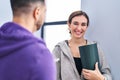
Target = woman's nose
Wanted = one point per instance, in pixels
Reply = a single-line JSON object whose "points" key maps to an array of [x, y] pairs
{"points": [[79, 27]]}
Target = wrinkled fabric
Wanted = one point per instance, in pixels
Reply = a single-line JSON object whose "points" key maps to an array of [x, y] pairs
{"points": [[66, 69], [23, 56]]}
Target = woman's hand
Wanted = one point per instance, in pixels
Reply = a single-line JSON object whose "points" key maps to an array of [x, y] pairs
{"points": [[93, 74]]}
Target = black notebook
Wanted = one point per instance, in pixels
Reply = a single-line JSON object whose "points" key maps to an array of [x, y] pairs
{"points": [[89, 56]]}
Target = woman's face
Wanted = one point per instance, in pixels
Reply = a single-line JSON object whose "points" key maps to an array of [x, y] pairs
{"points": [[78, 26]]}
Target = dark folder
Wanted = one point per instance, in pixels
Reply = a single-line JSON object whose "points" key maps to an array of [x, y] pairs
{"points": [[89, 56]]}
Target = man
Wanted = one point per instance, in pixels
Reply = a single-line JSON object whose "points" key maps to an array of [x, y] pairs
{"points": [[23, 56]]}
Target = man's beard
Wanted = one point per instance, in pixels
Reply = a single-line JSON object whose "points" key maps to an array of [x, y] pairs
{"points": [[38, 24]]}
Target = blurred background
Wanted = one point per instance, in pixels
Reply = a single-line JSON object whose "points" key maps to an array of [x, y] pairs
{"points": [[104, 25]]}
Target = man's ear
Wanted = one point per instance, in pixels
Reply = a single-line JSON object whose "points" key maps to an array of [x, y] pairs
{"points": [[36, 13]]}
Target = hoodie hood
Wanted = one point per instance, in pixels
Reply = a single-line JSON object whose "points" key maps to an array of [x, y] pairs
{"points": [[13, 37]]}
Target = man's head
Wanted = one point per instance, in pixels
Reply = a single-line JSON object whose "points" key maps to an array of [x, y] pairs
{"points": [[35, 9]]}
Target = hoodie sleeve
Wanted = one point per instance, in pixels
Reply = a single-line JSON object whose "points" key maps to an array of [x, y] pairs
{"points": [[105, 68], [57, 56]]}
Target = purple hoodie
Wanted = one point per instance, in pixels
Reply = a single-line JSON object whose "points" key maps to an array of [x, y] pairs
{"points": [[23, 56]]}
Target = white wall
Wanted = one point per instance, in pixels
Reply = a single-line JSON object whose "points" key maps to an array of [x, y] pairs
{"points": [[5, 11], [105, 28]]}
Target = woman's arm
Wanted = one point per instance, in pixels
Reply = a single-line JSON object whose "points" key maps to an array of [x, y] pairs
{"points": [[104, 66], [57, 56]]}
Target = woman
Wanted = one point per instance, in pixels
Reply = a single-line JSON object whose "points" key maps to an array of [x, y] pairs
{"points": [[67, 54]]}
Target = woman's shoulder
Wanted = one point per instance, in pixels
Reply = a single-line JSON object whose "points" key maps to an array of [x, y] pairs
{"points": [[60, 46], [91, 42], [61, 43]]}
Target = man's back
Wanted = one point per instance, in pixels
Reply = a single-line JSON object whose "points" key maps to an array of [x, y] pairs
{"points": [[22, 56]]}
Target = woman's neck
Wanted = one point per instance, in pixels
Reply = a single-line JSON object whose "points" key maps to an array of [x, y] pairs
{"points": [[78, 42]]}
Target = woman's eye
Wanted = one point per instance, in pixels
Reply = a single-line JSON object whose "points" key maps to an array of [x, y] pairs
{"points": [[75, 23], [83, 24]]}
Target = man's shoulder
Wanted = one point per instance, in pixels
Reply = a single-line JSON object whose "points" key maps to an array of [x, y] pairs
{"points": [[36, 45], [36, 51]]}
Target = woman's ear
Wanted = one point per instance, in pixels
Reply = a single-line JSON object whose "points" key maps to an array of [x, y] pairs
{"points": [[69, 25]]}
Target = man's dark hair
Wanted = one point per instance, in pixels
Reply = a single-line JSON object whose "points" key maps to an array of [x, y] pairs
{"points": [[22, 5]]}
